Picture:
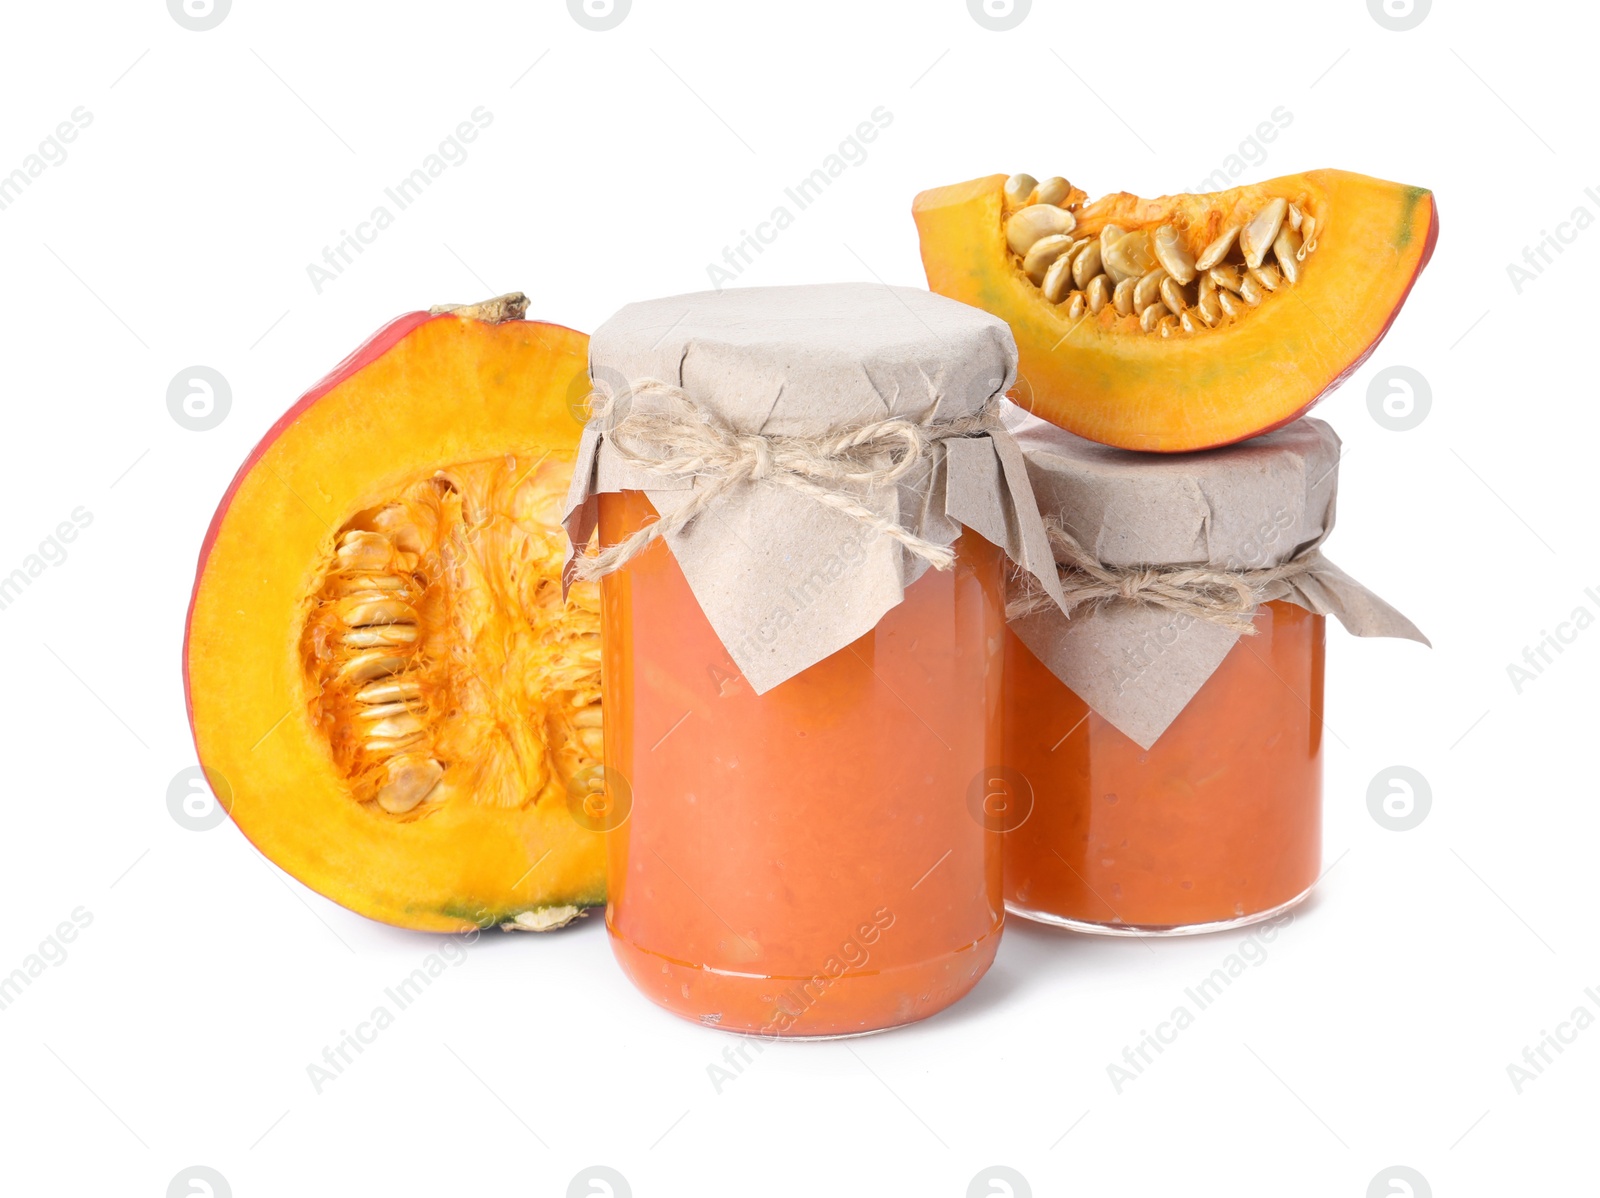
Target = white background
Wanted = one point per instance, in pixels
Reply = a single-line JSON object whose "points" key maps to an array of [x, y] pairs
{"points": [[618, 165]]}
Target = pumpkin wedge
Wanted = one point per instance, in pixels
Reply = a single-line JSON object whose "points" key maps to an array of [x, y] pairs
{"points": [[1184, 322], [385, 686]]}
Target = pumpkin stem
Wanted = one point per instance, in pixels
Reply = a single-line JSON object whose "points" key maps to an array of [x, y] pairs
{"points": [[511, 306]]}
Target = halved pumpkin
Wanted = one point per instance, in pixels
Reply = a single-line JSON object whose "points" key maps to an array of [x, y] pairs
{"points": [[385, 685], [1188, 321]]}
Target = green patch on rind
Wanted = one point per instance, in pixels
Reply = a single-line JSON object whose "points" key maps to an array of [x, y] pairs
{"points": [[1413, 195]]}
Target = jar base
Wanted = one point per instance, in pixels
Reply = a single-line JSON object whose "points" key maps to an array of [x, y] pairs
{"points": [[1158, 930], [860, 1003]]}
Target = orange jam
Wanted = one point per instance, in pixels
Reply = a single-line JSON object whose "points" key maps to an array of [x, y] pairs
{"points": [[1219, 823], [803, 862]]}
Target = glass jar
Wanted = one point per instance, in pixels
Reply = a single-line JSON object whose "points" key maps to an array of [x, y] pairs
{"points": [[801, 862], [1217, 825]]}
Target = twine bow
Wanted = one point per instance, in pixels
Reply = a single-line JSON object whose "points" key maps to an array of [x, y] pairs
{"points": [[679, 439], [1228, 598]]}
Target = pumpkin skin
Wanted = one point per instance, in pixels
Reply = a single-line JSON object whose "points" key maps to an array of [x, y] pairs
{"points": [[427, 391], [1099, 376]]}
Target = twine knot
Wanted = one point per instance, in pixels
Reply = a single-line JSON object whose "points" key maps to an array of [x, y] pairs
{"points": [[676, 438], [1228, 598]]}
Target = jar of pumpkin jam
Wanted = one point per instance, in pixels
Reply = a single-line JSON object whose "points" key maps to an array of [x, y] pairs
{"points": [[1169, 732], [802, 687]]}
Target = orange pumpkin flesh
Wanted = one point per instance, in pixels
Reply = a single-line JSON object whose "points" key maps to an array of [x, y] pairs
{"points": [[1177, 383], [385, 686]]}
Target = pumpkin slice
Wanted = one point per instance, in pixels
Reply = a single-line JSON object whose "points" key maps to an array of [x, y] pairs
{"points": [[1189, 321], [384, 683]]}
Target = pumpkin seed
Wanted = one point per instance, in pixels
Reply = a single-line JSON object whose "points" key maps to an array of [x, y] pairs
{"points": [[1075, 306], [1173, 254], [360, 610], [1026, 226], [1210, 310], [382, 747], [1309, 233], [363, 667], [384, 710], [1268, 276], [1167, 326], [395, 726], [1057, 280], [410, 781], [1148, 290], [1251, 291], [1045, 251], [1099, 293], [1052, 191], [1129, 256], [1151, 315], [1225, 276], [1172, 295], [380, 634], [1189, 322], [1018, 188], [394, 522], [1287, 249], [1295, 217], [1231, 304], [368, 584], [1086, 265], [1122, 297], [1256, 238], [1217, 250], [361, 550], [390, 691]]}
